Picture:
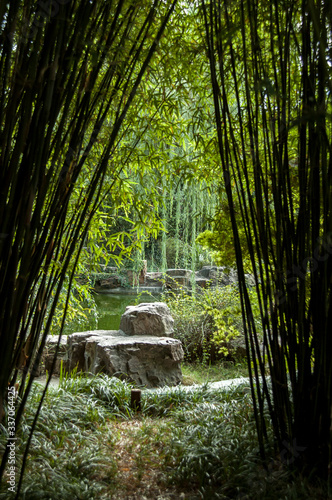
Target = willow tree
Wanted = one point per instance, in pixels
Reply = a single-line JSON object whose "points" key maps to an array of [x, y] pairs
{"points": [[69, 73], [271, 75]]}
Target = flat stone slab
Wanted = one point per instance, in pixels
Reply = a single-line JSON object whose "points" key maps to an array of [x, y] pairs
{"points": [[186, 273], [148, 361]]}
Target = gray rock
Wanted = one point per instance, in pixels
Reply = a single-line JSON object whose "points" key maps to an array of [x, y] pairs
{"points": [[76, 347], [217, 275], [154, 279], [49, 352], [145, 360], [186, 273], [152, 318], [175, 279], [151, 360], [108, 283]]}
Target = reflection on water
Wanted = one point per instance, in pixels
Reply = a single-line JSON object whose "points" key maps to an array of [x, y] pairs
{"points": [[111, 307]]}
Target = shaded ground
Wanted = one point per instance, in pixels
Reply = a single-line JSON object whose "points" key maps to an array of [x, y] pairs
{"points": [[139, 475]]}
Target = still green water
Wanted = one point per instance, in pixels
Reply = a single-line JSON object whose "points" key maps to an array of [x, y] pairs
{"points": [[111, 307]]}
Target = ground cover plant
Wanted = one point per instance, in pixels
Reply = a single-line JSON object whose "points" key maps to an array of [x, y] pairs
{"points": [[202, 373], [185, 443]]}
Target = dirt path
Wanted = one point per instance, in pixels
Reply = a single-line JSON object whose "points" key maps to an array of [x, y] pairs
{"points": [[139, 454]]}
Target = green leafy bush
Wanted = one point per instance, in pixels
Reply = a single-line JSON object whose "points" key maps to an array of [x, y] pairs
{"points": [[193, 325], [207, 321]]}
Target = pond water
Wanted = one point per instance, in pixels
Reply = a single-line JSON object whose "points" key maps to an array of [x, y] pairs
{"points": [[111, 307]]}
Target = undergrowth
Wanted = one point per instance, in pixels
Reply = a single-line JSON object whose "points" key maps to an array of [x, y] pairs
{"points": [[209, 323], [195, 443], [71, 449], [198, 373]]}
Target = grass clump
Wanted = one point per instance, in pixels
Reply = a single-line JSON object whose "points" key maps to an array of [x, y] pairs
{"points": [[70, 455], [112, 393], [215, 446], [197, 373]]}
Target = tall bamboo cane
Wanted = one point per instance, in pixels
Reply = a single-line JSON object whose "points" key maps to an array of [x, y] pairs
{"points": [[65, 68], [271, 77]]}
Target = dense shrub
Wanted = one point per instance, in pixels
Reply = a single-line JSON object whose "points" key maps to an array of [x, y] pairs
{"points": [[207, 321]]}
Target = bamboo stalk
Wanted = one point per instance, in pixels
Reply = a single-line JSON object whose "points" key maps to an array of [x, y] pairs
{"points": [[62, 73], [280, 194]]}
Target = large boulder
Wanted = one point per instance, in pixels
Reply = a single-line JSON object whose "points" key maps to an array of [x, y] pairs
{"points": [[177, 273], [214, 275], [151, 318], [145, 360], [76, 347], [152, 359], [109, 283]]}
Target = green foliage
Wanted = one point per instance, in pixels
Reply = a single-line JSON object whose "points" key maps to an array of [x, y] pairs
{"points": [[198, 373], [227, 313], [207, 321], [192, 325], [220, 240], [176, 252], [215, 446], [71, 449], [220, 245], [109, 392]]}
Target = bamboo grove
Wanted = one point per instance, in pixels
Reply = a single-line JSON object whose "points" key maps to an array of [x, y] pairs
{"points": [[233, 127], [271, 72], [67, 69]]}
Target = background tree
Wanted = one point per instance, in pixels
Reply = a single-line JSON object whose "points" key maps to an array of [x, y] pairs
{"points": [[270, 68], [68, 69], [170, 154]]}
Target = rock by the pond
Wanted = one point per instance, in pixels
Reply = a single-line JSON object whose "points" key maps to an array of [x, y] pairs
{"points": [[49, 352], [176, 273], [176, 279], [76, 347], [154, 279], [145, 360], [141, 351], [152, 318], [215, 276]]}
